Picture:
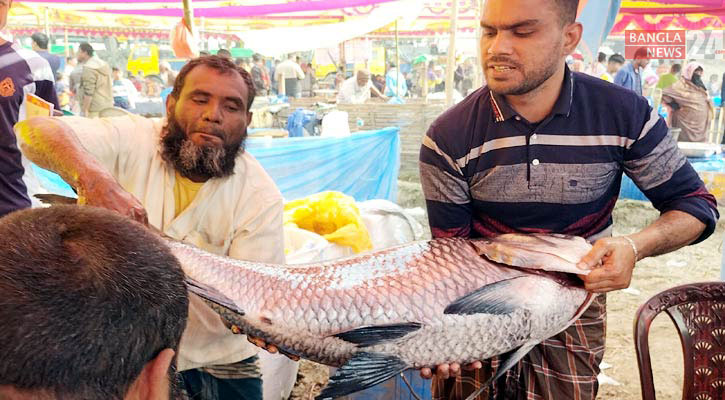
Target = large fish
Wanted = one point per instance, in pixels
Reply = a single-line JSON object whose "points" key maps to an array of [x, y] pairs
{"points": [[412, 306]]}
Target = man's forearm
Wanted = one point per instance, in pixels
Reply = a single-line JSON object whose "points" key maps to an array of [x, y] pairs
{"points": [[671, 231], [51, 144]]}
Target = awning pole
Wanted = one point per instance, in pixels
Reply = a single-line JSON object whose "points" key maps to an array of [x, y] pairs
{"points": [[189, 15], [450, 70], [397, 61]]}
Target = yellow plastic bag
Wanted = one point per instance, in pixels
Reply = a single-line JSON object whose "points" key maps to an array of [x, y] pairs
{"points": [[332, 215]]}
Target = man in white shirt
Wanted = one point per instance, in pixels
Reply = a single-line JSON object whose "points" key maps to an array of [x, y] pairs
{"points": [[191, 178], [288, 75], [356, 90]]}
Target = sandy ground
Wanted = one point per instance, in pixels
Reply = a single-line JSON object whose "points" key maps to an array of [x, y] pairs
{"points": [[692, 264]]}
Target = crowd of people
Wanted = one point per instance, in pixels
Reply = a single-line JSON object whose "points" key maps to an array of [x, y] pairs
{"points": [[688, 103]]}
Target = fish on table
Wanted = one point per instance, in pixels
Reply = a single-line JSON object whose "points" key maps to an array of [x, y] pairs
{"points": [[416, 305]]}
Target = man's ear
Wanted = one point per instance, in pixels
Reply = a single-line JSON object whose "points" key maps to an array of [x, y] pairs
{"points": [[170, 105], [249, 117], [572, 37], [153, 382]]}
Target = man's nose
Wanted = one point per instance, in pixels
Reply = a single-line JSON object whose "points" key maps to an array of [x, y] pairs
{"points": [[500, 44], [212, 112]]}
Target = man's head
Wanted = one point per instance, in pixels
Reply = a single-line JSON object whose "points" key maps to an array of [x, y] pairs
{"points": [[208, 114], [224, 53], [70, 60], [92, 306], [363, 77], [615, 63], [524, 42], [641, 58], [40, 41], [4, 9], [675, 69], [601, 58], [257, 58], [85, 51], [116, 73]]}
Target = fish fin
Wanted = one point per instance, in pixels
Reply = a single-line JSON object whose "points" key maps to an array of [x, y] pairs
{"points": [[486, 300], [212, 295], [372, 335], [508, 360], [50, 198], [362, 371]]}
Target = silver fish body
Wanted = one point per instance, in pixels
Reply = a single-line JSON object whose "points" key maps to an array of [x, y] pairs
{"points": [[416, 305]]}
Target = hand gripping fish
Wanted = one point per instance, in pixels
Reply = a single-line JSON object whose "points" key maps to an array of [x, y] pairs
{"points": [[416, 305], [412, 306]]}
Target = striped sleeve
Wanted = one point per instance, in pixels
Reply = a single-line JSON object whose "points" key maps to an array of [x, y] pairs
{"points": [[662, 172], [43, 79], [446, 190]]}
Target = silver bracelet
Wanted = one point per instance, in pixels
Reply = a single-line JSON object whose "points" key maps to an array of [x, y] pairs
{"points": [[634, 247]]}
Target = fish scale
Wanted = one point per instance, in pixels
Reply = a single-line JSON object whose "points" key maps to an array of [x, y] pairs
{"points": [[416, 305]]}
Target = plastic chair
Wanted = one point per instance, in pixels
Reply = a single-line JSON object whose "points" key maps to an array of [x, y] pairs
{"points": [[698, 312]]}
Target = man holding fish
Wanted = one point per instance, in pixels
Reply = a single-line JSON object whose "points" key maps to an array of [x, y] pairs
{"points": [[542, 149], [190, 178]]}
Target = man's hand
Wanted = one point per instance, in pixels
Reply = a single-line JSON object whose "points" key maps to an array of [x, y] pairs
{"points": [[105, 192], [445, 371], [612, 262], [270, 347]]}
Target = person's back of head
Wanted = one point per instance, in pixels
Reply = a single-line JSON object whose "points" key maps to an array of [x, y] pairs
{"points": [[40, 40], [601, 57], [92, 306], [224, 53], [675, 69], [86, 48]]}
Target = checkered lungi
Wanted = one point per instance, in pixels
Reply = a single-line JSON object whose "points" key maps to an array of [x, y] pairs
{"points": [[562, 367]]}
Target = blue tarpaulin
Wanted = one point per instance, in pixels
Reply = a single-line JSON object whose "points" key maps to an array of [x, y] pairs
{"points": [[364, 165], [714, 163]]}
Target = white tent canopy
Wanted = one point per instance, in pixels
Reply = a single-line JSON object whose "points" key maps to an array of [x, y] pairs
{"points": [[277, 41]]}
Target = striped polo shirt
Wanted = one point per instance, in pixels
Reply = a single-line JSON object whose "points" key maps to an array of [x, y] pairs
{"points": [[21, 71], [486, 170]]}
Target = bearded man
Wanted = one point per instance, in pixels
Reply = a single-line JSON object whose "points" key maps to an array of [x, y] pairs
{"points": [[543, 149], [189, 177]]}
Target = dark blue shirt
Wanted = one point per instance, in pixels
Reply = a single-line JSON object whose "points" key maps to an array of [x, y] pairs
{"points": [[22, 71], [53, 60], [485, 170]]}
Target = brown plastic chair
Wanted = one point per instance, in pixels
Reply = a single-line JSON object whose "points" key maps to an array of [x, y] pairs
{"points": [[698, 312]]}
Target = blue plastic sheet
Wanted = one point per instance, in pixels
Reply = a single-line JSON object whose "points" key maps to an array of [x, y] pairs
{"points": [[364, 165], [715, 163]]}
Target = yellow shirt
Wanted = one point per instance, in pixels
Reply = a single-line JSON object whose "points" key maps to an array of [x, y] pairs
{"points": [[185, 191]]}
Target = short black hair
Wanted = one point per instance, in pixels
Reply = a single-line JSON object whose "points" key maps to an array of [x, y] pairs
{"points": [[86, 48], [87, 299], [114, 69], [616, 58], [256, 57], [567, 10], [40, 39], [676, 68], [221, 64], [224, 53], [601, 57]]}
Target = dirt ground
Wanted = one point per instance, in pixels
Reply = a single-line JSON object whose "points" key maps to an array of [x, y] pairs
{"points": [[692, 264]]}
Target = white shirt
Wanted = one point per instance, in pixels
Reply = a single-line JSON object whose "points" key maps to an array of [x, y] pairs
{"points": [[288, 69], [239, 216], [351, 93]]}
